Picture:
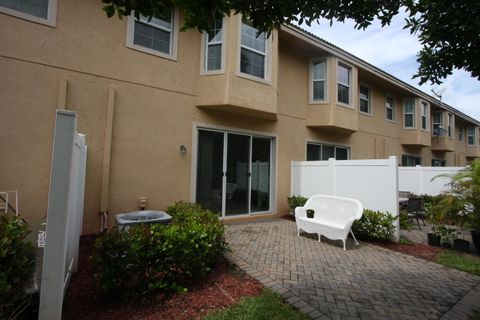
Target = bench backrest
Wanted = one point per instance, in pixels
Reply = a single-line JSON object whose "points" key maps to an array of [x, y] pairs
{"points": [[338, 208]]}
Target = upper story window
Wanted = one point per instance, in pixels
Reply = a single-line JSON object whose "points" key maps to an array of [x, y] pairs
{"points": [[344, 81], [471, 136], [390, 108], [318, 71], [365, 104], [439, 163], [450, 125], [411, 161], [214, 47], [320, 151], [460, 134], [425, 117], [437, 122], [41, 11], [409, 113], [253, 51], [156, 35]]}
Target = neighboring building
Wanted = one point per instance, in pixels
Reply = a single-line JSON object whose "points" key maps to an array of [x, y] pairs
{"points": [[214, 118]]}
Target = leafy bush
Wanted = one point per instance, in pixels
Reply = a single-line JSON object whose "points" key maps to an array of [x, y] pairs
{"points": [[16, 262], [374, 225], [151, 257], [296, 201], [405, 223], [461, 203], [183, 212]]}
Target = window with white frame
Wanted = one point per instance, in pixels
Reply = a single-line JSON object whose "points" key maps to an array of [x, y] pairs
{"points": [[409, 113], [437, 122], [471, 136], [253, 51], [213, 47], [320, 151], [460, 134], [390, 108], [450, 125], [154, 35], [42, 11], [411, 160], [344, 80], [425, 114], [318, 73], [365, 104]]}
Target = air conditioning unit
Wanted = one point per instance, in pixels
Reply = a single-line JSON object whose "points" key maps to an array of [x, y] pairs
{"points": [[127, 220]]}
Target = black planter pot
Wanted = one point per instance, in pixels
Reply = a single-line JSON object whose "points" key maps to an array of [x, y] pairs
{"points": [[476, 239], [433, 239], [461, 245], [446, 245]]}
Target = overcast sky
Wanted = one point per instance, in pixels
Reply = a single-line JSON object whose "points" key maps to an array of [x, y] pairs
{"points": [[394, 50]]}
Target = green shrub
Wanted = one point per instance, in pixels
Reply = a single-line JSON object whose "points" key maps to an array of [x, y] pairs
{"points": [[405, 223], [151, 257], [183, 212], [375, 225], [16, 262], [296, 201]]}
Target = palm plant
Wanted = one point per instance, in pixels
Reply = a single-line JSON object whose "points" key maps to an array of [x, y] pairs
{"points": [[462, 202]]}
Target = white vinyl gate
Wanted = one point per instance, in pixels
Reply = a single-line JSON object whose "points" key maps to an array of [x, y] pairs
{"points": [[65, 214]]}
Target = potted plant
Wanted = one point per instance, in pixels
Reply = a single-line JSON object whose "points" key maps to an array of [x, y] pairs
{"points": [[461, 245], [463, 198], [448, 235], [434, 237]]}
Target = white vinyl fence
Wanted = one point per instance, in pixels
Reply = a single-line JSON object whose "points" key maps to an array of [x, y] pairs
{"points": [[65, 213], [418, 180], [373, 182]]}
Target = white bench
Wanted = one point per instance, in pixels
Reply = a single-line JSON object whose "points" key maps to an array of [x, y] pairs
{"points": [[333, 217]]}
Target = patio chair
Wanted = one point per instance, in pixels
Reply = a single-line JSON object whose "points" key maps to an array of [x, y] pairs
{"points": [[415, 211], [403, 197]]}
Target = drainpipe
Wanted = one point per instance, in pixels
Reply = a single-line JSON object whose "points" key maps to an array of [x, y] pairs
{"points": [[62, 94], [106, 161]]}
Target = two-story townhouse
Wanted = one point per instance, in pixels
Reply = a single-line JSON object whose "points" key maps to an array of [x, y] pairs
{"points": [[214, 118]]}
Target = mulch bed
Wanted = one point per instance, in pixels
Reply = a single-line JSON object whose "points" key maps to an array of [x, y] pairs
{"points": [[224, 287], [418, 250]]}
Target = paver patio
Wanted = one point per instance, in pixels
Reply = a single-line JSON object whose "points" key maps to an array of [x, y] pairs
{"points": [[366, 281]]}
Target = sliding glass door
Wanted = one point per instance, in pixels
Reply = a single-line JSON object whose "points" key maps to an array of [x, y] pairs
{"points": [[234, 172], [260, 168], [238, 172], [210, 170]]}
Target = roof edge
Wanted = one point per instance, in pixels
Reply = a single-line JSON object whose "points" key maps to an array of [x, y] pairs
{"points": [[328, 46]]}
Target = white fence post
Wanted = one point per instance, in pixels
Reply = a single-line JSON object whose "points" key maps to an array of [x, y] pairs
{"points": [[65, 212], [332, 173], [394, 168]]}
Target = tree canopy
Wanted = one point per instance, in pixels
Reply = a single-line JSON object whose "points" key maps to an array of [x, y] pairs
{"points": [[449, 30]]}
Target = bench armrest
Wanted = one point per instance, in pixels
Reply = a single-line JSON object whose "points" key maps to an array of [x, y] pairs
{"points": [[300, 212]]}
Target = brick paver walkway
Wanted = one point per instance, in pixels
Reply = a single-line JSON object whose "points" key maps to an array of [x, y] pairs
{"points": [[364, 282]]}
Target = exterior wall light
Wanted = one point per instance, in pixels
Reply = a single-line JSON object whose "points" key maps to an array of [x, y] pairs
{"points": [[183, 149]]}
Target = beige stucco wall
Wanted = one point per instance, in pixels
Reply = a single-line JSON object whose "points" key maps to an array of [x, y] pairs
{"points": [[156, 109]]}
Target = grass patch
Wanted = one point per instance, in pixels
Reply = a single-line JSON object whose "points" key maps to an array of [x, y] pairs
{"points": [[459, 261], [404, 241], [267, 306]]}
